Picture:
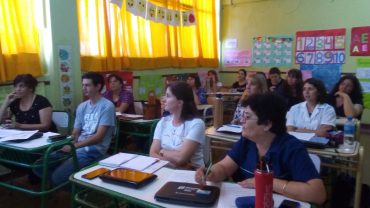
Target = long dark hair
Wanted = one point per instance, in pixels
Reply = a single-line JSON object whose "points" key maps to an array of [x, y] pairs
{"points": [[289, 90], [182, 91], [356, 93], [196, 78]]}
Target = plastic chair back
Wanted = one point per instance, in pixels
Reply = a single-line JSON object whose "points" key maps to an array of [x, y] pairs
{"points": [[62, 121]]}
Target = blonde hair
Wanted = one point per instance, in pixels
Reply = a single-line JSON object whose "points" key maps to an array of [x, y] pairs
{"points": [[260, 81]]}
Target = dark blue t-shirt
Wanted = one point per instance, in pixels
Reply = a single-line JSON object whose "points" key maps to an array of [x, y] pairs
{"points": [[287, 156]]}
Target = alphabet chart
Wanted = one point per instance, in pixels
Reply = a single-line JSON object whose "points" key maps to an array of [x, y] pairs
{"points": [[320, 47], [360, 43]]}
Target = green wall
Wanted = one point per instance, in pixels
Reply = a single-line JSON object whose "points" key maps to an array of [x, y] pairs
{"points": [[245, 19]]}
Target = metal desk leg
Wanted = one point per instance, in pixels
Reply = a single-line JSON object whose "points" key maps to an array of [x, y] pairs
{"points": [[359, 178]]}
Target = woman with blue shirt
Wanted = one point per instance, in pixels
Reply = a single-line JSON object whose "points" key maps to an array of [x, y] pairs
{"points": [[264, 136], [198, 91], [313, 115]]}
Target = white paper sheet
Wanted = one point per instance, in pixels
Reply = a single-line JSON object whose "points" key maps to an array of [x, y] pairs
{"points": [[231, 128], [301, 135], [117, 159], [156, 166], [139, 163], [11, 134]]}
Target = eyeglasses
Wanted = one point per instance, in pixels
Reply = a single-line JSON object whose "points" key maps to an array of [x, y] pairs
{"points": [[247, 117]]}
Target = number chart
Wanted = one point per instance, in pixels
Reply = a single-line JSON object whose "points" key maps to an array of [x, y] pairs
{"points": [[320, 47]]}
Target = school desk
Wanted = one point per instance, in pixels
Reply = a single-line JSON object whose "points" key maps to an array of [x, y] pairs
{"points": [[144, 197], [20, 155]]}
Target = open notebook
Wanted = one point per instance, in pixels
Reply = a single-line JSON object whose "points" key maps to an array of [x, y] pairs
{"points": [[310, 139], [133, 162]]}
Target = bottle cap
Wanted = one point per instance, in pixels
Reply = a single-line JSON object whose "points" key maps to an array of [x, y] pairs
{"points": [[349, 118]]}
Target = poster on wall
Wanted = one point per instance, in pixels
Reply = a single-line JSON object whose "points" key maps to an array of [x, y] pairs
{"points": [[65, 78], [231, 43], [363, 75], [360, 44], [329, 74], [272, 51], [320, 47], [234, 58], [149, 83]]}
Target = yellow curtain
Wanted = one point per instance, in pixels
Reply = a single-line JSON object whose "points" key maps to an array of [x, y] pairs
{"points": [[19, 43], [113, 39]]}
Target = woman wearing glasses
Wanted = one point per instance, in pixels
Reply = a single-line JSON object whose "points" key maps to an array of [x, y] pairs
{"points": [[264, 135], [179, 137]]}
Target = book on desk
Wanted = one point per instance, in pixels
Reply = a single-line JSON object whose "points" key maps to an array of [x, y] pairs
{"points": [[133, 162], [311, 140], [230, 128]]}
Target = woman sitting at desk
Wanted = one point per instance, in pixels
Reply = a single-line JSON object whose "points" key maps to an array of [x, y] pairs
{"points": [[199, 92], [264, 136], [179, 137], [291, 89], [122, 99], [346, 97], [256, 84], [31, 111], [213, 84], [312, 115]]}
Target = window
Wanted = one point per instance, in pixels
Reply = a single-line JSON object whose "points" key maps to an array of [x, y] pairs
{"points": [[19, 41], [111, 38]]}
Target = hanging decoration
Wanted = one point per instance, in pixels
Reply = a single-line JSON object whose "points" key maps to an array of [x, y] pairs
{"points": [[152, 12]]}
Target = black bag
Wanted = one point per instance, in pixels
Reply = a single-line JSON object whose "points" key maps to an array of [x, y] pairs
{"points": [[188, 194], [342, 192]]}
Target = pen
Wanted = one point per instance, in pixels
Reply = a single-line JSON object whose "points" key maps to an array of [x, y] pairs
{"points": [[207, 172]]}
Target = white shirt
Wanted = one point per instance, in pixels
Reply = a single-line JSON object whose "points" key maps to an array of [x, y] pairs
{"points": [[172, 137], [298, 116]]}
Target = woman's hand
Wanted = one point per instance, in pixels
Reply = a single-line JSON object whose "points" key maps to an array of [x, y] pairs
{"points": [[10, 98], [9, 124], [248, 183], [341, 94], [200, 177]]}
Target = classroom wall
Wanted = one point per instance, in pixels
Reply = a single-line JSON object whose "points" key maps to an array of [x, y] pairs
{"points": [[245, 19]]}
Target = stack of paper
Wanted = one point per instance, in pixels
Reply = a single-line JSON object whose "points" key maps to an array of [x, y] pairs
{"points": [[117, 159], [231, 128], [13, 134], [301, 135]]}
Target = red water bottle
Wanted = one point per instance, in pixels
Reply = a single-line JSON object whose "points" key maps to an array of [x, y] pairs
{"points": [[263, 179]]}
